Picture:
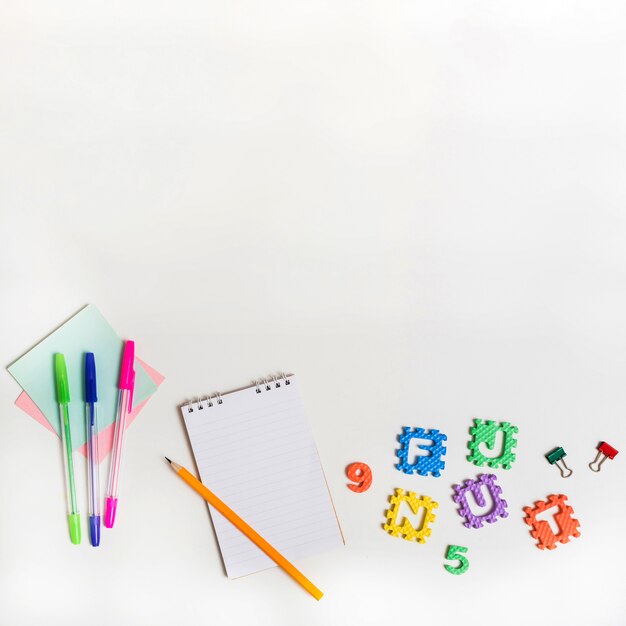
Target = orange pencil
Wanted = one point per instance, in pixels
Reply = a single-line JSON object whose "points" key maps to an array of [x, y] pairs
{"points": [[247, 530]]}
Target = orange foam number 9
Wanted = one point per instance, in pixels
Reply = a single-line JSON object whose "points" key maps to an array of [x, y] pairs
{"points": [[361, 474]]}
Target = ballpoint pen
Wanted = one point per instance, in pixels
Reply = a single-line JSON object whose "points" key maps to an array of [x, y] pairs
{"points": [[63, 398], [124, 406], [93, 458]]}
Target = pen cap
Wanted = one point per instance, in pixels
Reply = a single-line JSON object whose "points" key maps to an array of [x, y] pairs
{"points": [[91, 391], [127, 373], [60, 371], [74, 521]]}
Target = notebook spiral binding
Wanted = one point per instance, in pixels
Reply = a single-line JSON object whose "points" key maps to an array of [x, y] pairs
{"points": [[261, 384]]}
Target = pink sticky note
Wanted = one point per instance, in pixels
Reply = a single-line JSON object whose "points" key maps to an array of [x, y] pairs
{"points": [[105, 436]]}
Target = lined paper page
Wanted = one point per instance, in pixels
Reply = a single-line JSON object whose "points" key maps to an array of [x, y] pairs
{"points": [[257, 453]]}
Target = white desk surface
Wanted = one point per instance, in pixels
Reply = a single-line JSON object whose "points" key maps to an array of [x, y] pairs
{"points": [[417, 207]]}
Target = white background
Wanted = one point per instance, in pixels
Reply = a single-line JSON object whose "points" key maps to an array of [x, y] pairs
{"points": [[418, 207]]}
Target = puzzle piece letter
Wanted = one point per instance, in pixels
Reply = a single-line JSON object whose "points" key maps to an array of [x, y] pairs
{"points": [[541, 531], [475, 487], [484, 432], [406, 530], [424, 465]]}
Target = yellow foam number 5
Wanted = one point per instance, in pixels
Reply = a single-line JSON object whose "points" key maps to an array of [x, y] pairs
{"points": [[457, 552]]}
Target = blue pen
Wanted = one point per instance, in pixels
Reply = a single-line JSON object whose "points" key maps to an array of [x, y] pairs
{"points": [[93, 458]]}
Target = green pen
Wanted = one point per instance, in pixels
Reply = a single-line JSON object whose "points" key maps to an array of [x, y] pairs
{"points": [[63, 397]]}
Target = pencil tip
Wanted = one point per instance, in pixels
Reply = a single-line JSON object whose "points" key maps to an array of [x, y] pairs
{"points": [[168, 460]]}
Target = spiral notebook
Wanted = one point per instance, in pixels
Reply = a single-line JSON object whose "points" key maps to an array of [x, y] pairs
{"points": [[254, 449]]}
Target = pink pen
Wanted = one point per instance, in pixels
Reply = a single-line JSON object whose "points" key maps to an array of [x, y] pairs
{"points": [[124, 406]]}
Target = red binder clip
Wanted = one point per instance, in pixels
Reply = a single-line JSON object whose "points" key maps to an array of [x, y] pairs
{"points": [[606, 452]]}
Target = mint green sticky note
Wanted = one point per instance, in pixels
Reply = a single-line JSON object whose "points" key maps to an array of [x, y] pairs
{"points": [[87, 331]]}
